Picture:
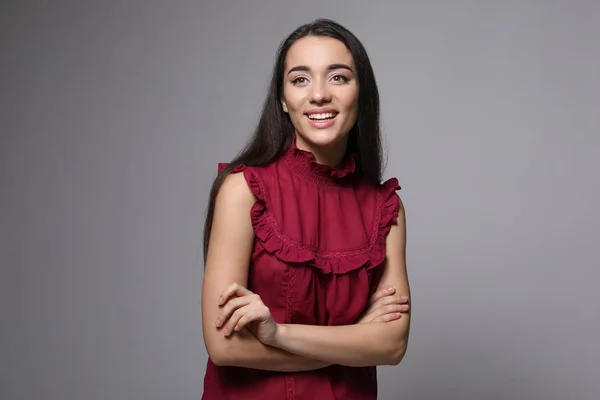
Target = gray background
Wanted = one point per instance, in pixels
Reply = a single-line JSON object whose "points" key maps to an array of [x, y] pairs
{"points": [[114, 115]]}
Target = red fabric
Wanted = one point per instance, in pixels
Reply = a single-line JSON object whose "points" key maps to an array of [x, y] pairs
{"points": [[319, 247]]}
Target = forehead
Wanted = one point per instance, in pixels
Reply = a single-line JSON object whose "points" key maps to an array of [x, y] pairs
{"points": [[317, 53]]}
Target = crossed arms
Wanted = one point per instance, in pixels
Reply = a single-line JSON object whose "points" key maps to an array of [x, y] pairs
{"points": [[228, 307]]}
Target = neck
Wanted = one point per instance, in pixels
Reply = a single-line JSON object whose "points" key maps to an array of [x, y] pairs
{"points": [[332, 155]]}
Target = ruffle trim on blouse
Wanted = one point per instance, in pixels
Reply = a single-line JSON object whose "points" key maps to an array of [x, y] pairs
{"points": [[297, 254], [299, 159]]}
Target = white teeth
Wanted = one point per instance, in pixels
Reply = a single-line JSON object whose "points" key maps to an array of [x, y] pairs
{"points": [[321, 116]]}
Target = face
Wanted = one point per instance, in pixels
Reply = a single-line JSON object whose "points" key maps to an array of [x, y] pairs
{"points": [[320, 92]]}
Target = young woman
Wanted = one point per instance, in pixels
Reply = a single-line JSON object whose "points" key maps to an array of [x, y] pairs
{"points": [[305, 288]]}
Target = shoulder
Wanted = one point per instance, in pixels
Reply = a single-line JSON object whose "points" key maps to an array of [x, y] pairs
{"points": [[391, 200], [235, 192], [401, 210]]}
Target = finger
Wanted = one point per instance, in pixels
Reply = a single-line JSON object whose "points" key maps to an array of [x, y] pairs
{"points": [[393, 308], [231, 306], [387, 309], [243, 312], [381, 298], [235, 289], [381, 293], [388, 317], [255, 314], [390, 300]]}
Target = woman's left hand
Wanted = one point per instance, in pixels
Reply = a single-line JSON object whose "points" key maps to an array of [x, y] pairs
{"points": [[242, 308]]}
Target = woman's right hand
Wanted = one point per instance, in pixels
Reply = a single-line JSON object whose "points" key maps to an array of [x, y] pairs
{"points": [[384, 306], [241, 308]]}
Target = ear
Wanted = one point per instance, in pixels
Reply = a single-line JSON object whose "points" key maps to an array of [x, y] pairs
{"points": [[284, 105]]}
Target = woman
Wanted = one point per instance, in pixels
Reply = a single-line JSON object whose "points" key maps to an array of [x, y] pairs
{"points": [[305, 288]]}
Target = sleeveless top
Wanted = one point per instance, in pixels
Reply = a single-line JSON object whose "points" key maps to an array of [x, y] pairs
{"points": [[318, 255]]}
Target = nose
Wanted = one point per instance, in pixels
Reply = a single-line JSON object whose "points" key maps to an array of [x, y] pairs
{"points": [[319, 92]]}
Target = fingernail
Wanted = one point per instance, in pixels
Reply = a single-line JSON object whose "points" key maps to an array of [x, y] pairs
{"points": [[398, 315], [217, 322], [391, 289], [220, 300], [403, 298]]}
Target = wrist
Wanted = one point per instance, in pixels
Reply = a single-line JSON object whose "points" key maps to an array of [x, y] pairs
{"points": [[279, 337]]}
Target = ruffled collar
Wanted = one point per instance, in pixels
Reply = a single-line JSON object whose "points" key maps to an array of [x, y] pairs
{"points": [[305, 163]]}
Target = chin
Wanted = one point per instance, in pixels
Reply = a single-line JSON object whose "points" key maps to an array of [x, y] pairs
{"points": [[325, 134], [323, 138]]}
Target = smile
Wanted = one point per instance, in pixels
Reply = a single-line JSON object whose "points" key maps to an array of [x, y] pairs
{"points": [[322, 120], [321, 116]]}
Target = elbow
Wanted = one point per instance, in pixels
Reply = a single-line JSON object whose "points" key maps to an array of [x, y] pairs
{"points": [[396, 346], [218, 359], [218, 355], [396, 352]]}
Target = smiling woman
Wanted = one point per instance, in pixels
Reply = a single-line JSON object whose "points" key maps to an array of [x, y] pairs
{"points": [[305, 287], [320, 94]]}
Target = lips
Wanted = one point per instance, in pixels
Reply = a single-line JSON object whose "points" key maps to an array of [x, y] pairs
{"points": [[321, 114], [322, 120]]}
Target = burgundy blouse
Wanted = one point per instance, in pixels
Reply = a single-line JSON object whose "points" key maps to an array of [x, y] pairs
{"points": [[318, 255]]}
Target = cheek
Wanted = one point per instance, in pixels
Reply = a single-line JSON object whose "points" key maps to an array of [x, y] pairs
{"points": [[352, 106], [352, 115], [350, 100], [295, 110], [293, 99]]}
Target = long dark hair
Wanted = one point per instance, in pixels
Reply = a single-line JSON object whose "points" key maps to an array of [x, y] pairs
{"points": [[275, 131]]}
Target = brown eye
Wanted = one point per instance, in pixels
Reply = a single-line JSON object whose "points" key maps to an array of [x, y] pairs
{"points": [[299, 80], [340, 78]]}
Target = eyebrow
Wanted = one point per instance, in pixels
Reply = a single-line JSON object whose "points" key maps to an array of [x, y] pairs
{"points": [[329, 68]]}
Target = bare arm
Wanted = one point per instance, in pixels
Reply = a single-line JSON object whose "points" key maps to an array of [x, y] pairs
{"points": [[361, 344], [228, 260]]}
